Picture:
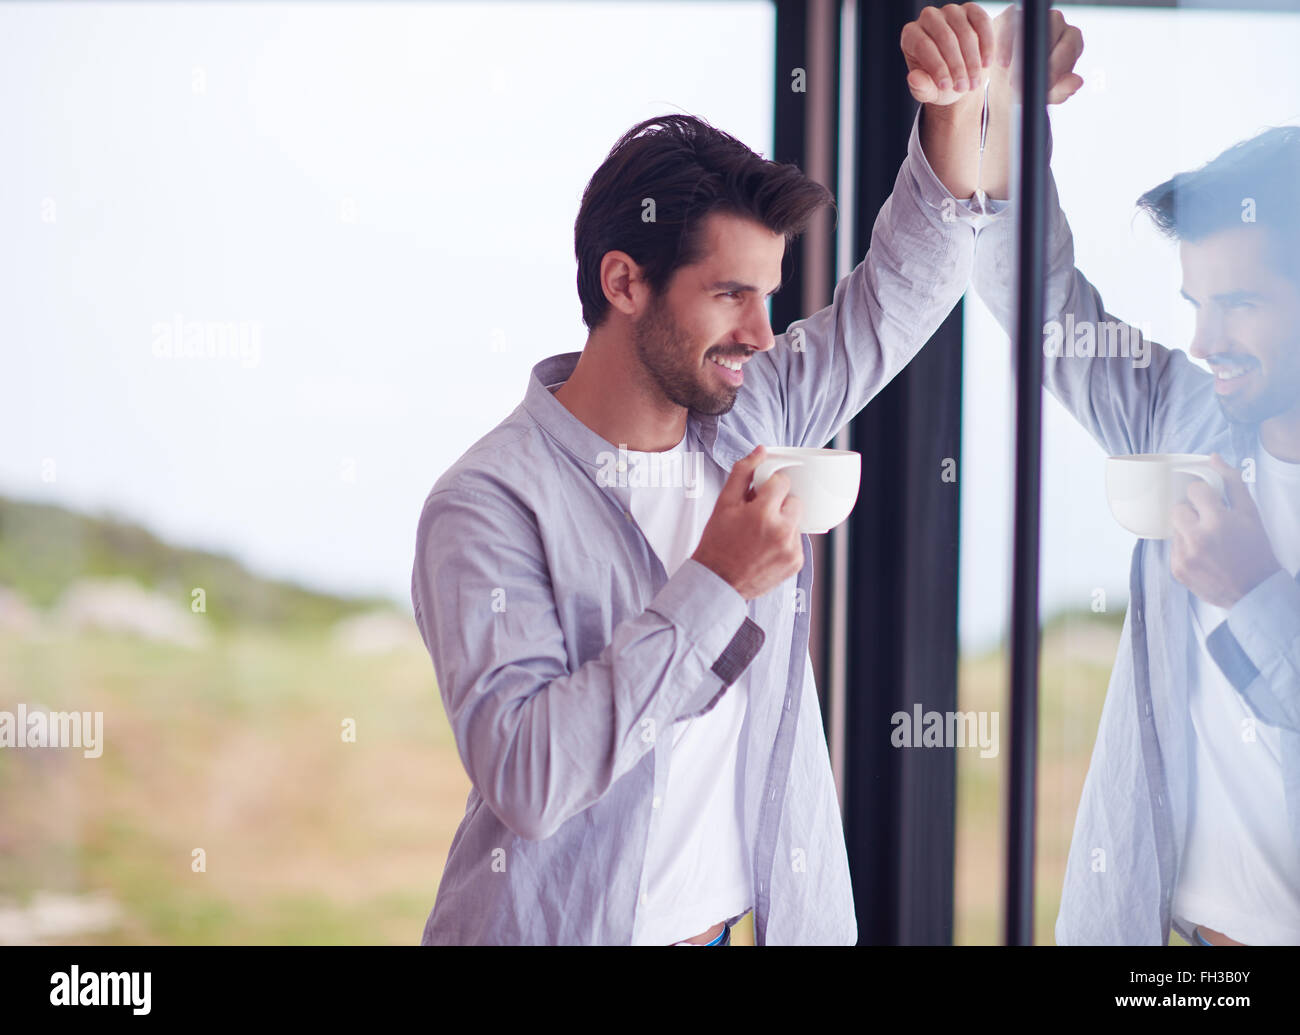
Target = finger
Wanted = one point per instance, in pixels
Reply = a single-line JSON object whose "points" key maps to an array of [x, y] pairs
{"points": [[922, 86], [968, 42], [1177, 549], [1064, 55], [736, 487], [1233, 482], [1066, 88], [983, 26], [1056, 26], [1184, 518], [1008, 32], [792, 510], [1178, 558], [772, 493], [1204, 499], [923, 53], [940, 32]]}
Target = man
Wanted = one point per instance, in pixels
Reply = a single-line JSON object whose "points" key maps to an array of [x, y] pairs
{"points": [[1190, 813], [625, 666]]}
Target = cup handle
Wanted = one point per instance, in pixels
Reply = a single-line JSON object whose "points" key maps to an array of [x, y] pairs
{"points": [[1211, 477], [769, 467]]}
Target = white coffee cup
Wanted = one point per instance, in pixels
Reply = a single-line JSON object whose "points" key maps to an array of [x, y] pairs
{"points": [[826, 481], [1144, 488]]}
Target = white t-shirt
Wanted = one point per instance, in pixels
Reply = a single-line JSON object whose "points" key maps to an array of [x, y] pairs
{"points": [[698, 861], [1240, 874]]}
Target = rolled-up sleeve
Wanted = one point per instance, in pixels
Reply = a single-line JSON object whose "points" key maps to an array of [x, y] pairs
{"points": [[539, 742], [1257, 647]]}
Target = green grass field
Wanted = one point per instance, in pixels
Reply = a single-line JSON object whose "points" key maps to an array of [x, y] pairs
{"points": [[237, 750]]}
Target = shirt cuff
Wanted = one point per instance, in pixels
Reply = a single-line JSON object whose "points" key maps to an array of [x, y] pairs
{"points": [[737, 655], [714, 617], [936, 196], [1265, 623]]}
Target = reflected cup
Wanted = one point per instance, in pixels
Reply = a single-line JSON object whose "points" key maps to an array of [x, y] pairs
{"points": [[1144, 488]]}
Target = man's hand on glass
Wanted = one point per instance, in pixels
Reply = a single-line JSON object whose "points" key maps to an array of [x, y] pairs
{"points": [[952, 54]]}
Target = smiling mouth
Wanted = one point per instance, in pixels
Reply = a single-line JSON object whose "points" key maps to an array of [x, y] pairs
{"points": [[1229, 376], [730, 370]]}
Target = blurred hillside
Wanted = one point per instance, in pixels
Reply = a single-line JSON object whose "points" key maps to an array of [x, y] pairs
{"points": [[45, 549], [276, 768]]}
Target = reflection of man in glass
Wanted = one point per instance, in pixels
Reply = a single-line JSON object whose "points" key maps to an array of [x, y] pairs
{"points": [[1190, 814], [1239, 872]]}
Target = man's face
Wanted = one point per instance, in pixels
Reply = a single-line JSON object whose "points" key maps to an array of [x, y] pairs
{"points": [[715, 307], [1247, 322]]}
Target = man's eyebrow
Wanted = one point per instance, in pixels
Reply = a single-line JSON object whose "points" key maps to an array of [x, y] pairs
{"points": [[1227, 296], [735, 285]]}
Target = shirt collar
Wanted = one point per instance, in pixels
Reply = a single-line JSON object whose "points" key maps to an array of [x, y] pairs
{"points": [[583, 444]]}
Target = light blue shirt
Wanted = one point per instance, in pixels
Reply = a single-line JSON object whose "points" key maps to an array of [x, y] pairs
{"points": [[1131, 826], [564, 653]]}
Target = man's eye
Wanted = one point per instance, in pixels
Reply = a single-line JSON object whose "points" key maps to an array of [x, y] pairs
{"points": [[731, 294]]}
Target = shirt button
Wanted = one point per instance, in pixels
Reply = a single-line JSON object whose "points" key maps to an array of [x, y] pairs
{"points": [[644, 898], [657, 802]]}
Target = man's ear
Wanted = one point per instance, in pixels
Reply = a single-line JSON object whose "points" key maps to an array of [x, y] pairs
{"points": [[623, 282]]}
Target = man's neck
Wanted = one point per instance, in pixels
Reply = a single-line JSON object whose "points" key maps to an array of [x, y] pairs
{"points": [[606, 392], [1281, 437]]}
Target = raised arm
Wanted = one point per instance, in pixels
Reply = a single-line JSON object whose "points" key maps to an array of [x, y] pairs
{"points": [[827, 367]]}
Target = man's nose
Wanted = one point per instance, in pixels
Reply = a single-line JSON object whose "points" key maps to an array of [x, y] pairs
{"points": [[1207, 340], [760, 333]]}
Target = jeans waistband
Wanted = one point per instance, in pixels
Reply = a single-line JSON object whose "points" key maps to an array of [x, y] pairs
{"points": [[723, 939]]}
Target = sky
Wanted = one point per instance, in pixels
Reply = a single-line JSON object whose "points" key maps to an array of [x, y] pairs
{"points": [[372, 206], [375, 202]]}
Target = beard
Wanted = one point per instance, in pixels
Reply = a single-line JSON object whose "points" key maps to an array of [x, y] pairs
{"points": [[1274, 400], [670, 362]]}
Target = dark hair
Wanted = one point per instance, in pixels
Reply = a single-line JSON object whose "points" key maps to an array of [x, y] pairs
{"points": [[1264, 170], [689, 170]]}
